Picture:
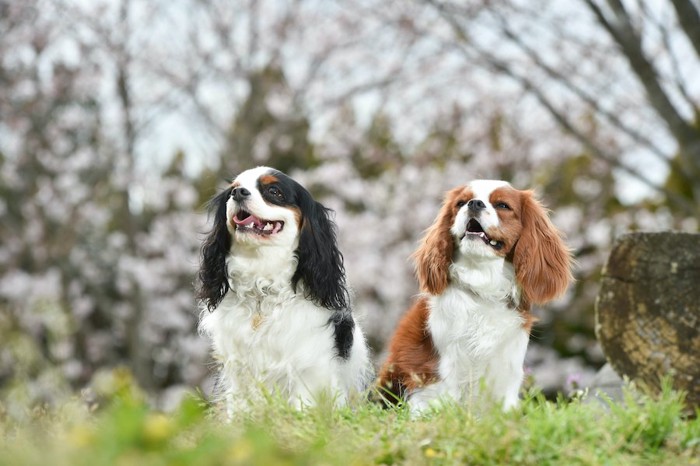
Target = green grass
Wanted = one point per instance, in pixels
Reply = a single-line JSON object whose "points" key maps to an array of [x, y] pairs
{"points": [[124, 430]]}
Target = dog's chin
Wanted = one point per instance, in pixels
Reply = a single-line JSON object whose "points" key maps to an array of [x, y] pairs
{"points": [[471, 245]]}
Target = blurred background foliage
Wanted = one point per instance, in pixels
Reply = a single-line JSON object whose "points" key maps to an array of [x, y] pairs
{"points": [[120, 119]]}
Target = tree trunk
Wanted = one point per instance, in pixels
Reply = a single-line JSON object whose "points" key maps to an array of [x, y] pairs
{"points": [[648, 310]]}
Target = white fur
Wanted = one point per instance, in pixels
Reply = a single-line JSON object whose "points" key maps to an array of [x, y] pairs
{"points": [[266, 336], [482, 189], [479, 340], [291, 350]]}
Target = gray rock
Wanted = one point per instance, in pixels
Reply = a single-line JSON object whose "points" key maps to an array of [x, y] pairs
{"points": [[605, 387]]}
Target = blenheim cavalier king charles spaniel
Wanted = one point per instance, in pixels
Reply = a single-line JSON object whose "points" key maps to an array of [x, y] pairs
{"points": [[491, 254], [277, 309]]}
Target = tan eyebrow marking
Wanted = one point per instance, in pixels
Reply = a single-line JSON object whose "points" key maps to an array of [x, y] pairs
{"points": [[268, 179]]}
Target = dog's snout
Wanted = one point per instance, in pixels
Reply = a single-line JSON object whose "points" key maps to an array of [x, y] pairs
{"points": [[240, 194], [476, 205]]}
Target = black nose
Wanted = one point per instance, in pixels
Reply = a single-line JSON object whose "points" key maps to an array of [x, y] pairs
{"points": [[476, 205], [240, 194]]}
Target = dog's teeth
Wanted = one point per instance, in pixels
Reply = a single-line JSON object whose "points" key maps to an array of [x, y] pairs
{"points": [[267, 227]]}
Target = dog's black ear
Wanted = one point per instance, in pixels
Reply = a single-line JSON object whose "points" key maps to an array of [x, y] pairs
{"points": [[320, 262], [213, 276]]}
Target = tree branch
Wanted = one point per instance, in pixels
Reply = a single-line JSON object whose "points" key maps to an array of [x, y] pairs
{"points": [[677, 75], [527, 84], [689, 19], [581, 94], [624, 34]]}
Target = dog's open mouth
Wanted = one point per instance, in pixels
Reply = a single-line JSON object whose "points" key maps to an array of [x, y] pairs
{"points": [[249, 223], [475, 230]]}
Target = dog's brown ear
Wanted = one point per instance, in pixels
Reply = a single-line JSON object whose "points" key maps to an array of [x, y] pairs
{"points": [[434, 255], [541, 259]]}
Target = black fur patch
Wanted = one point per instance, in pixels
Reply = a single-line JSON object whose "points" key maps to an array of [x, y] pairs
{"points": [[343, 327], [320, 267], [213, 276]]}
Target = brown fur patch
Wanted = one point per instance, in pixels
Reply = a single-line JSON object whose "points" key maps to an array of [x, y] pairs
{"points": [[528, 319], [413, 360], [298, 217], [268, 179], [509, 228]]}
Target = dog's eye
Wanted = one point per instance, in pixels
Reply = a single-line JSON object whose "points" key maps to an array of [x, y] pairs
{"points": [[461, 203], [502, 205], [275, 192]]}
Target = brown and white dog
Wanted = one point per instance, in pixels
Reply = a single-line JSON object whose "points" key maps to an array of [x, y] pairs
{"points": [[491, 253]]}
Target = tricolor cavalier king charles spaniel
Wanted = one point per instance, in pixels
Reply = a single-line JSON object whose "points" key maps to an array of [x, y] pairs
{"points": [[277, 308], [491, 254]]}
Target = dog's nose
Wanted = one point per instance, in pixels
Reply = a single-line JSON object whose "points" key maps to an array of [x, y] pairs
{"points": [[239, 194], [476, 205]]}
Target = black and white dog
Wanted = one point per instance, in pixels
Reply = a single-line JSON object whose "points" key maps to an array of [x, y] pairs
{"points": [[276, 306]]}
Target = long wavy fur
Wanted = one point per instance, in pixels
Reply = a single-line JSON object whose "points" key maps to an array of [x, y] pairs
{"points": [[320, 262], [541, 259], [435, 253], [213, 274]]}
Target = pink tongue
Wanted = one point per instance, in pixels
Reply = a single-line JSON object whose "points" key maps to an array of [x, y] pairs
{"points": [[248, 220]]}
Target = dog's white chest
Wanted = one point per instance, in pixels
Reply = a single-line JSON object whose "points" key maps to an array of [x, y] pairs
{"points": [[470, 333], [285, 346], [265, 332]]}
